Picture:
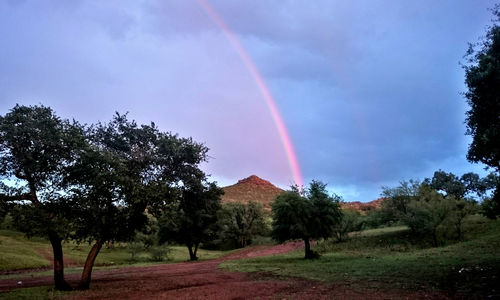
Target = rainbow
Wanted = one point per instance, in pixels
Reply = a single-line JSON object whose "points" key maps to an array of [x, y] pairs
{"points": [[259, 80]]}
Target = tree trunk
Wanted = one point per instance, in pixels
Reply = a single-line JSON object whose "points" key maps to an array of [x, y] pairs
{"points": [[309, 253], [55, 241], [109, 245], [196, 250], [192, 254], [434, 237], [59, 281], [89, 264]]}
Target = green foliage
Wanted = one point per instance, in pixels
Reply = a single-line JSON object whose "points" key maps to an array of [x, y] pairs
{"points": [[239, 223], [482, 74], [125, 169], [490, 207], [427, 212], [191, 220], [160, 252], [36, 150], [469, 185], [90, 183], [134, 248], [36, 146], [399, 199], [379, 218], [483, 96], [351, 221], [312, 214]]}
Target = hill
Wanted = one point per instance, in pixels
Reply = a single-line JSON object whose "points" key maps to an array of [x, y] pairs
{"points": [[363, 207], [252, 188]]}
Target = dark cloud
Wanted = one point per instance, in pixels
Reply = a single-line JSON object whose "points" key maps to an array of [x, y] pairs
{"points": [[369, 90]]}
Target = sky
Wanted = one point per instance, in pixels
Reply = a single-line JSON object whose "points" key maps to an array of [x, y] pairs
{"points": [[369, 92]]}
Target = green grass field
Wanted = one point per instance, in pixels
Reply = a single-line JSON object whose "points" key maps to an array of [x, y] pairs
{"points": [[386, 258], [391, 258], [38, 293], [18, 252]]}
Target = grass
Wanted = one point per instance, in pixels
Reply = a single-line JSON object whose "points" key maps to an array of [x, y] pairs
{"points": [[392, 258], [39, 293], [18, 252]]}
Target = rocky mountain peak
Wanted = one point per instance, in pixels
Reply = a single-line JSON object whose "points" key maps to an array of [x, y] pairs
{"points": [[255, 180]]}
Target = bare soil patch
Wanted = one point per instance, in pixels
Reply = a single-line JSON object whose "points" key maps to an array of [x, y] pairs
{"points": [[203, 280]]}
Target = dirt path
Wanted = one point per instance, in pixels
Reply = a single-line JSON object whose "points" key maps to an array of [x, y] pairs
{"points": [[203, 280], [47, 254]]}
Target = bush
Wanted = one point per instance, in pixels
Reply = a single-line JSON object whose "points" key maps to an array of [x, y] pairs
{"points": [[134, 248], [159, 253], [351, 221]]}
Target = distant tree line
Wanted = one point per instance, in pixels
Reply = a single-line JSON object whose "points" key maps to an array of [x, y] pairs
{"points": [[435, 207]]}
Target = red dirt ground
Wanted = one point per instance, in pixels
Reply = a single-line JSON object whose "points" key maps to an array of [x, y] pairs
{"points": [[203, 280]]}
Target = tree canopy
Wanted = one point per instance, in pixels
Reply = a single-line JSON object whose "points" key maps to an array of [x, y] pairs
{"points": [[92, 183], [305, 215], [241, 222], [36, 149], [482, 77], [192, 217]]}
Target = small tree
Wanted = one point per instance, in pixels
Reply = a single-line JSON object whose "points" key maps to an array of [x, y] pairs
{"points": [[191, 220], [241, 222], [460, 210], [398, 199], [308, 215], [351, 221], [428, 211]]}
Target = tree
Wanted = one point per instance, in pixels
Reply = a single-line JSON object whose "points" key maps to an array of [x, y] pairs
{"points": [[482, 77], [305, 215], [192, 218], [398, 199], [460, 210], [450, 184], [240, 222], [491, 205], [427, 212], [351, 221], [124, 170], [36, 147]]}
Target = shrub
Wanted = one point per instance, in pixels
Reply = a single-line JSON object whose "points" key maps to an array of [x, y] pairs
{"points": [[159, 253], [134, 248]]}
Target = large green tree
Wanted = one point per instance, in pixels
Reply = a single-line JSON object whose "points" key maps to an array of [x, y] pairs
{"points": [[124, 170], [482, 77], [241, 222], [192, 219], [469, 185], [306, 215], [36, 148]]}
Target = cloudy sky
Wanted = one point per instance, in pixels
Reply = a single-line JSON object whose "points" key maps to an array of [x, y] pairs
{"points": [[369, 91]]}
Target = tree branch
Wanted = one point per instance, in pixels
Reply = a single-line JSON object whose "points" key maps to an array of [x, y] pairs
{"points": [[19, 197]]}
